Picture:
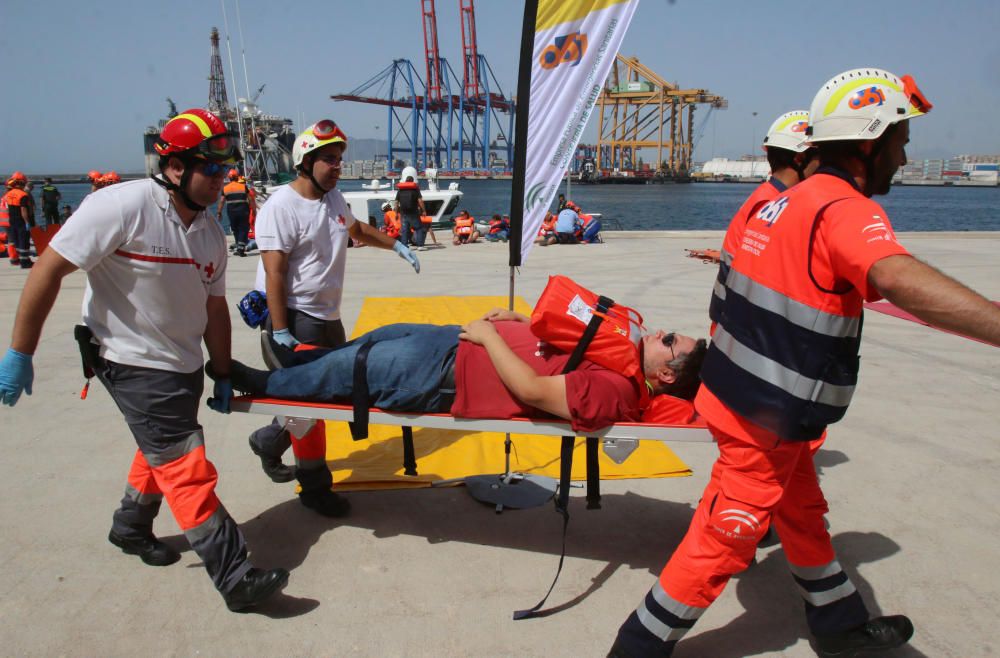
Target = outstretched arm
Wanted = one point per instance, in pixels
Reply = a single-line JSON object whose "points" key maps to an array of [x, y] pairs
{"points": [[39, 294], [363, 232], [547, 393], [935, 298]]}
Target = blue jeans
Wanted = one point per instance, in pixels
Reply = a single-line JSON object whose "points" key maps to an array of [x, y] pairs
{"points": [[412, 222], [407, 369]]}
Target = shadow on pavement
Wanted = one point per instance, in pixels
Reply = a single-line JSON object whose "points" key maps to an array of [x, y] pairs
{"points": [[773, 619]]}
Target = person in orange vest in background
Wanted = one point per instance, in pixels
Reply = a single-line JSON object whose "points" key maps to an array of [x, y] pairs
{"points": [[155, 264], [810, 258], [499, 229], [93, 176], [410, 205], [465, 229], [5, 246], [19, 217], [236, 197], [547, 229], [391, 223]]}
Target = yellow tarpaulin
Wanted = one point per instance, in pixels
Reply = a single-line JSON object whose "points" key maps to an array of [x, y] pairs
{"points": [[377, 462]]}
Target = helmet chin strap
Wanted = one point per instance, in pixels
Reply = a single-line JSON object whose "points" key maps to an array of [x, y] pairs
{"points": [[309, 174], [869, 161], [170, 186]]}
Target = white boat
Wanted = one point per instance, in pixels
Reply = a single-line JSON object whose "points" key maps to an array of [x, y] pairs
{"points": [[439, 203]]}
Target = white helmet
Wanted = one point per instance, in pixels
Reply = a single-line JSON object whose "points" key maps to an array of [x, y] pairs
{"points": [[788, 132], [862, 103], [408, 172], [317, 135]]}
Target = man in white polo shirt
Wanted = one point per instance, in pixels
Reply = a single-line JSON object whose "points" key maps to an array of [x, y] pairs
{"points": [[155, 264], [302, 232]]}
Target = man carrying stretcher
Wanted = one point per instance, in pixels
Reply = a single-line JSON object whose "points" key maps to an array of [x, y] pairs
{"points": [[494, 367]]}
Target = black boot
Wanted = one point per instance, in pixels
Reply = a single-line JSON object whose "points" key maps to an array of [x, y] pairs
{"points": [[326, 503], [273, 466], [316, 493], [150, 550], [256, 586], [876, 634]]}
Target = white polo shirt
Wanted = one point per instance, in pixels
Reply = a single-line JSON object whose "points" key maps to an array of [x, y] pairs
{"points": [[314, 235], [148, 278]]}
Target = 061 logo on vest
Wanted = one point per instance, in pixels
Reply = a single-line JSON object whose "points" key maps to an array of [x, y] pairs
{"points": [[770, 213]]}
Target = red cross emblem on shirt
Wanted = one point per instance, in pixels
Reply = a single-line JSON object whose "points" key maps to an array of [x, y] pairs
{"points": [[210, 270]]}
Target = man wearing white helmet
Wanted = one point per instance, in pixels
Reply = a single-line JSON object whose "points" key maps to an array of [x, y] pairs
{"points": [[783, 364], [792, 160], [302, 232]]}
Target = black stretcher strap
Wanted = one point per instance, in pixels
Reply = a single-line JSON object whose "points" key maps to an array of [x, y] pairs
{"points": [[359, 395], [566, 459], [409, 455]]}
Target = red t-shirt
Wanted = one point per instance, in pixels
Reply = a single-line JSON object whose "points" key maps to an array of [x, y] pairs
{"points": [[597, 397]]}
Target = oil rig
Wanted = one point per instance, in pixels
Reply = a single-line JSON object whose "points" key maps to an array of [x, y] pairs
{"points": [[465, 127], [266, 139]]}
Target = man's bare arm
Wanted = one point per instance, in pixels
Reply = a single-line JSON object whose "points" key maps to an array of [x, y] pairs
{"points": [[39, 294], [935, 298], [218, 334], [275, 274]]}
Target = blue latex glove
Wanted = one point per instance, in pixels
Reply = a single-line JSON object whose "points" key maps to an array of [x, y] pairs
{"points": [[222, 395], [284, 337], [16, 375], [407, 255]]}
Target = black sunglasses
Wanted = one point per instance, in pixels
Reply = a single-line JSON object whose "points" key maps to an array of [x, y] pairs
{"points": [[668, 341]]}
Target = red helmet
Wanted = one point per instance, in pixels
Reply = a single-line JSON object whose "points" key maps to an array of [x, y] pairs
{"points": [[93, 175], [233, 174], [18, 176], [112, 177], [200, 133]]}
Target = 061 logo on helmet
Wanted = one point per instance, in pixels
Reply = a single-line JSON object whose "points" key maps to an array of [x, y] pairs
{"points": [[568, 48], [865, 97]]}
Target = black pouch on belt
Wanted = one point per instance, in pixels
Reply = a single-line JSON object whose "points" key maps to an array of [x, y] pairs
{"points": [[90, 354]]}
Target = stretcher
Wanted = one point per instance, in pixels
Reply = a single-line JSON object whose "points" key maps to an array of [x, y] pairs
{"points": [[618, 441]]}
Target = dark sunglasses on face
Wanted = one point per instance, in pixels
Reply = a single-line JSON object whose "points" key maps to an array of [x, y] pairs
{"points": [[668, 341], [212, 168]]}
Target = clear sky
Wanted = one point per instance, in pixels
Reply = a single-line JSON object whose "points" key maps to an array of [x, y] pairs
{"points": [[84, 79]]}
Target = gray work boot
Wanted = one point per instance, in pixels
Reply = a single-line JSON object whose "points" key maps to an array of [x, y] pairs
{"points": [[273, 466]]}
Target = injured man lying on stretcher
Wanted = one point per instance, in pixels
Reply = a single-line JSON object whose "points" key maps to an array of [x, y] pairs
{"points": [[494, 367]]}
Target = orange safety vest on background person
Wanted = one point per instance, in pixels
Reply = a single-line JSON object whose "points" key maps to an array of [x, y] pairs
{"points": [[784, 355], [548, 226], [392, 223], [4, 223], [766, 191], [236, 194], [463, 224]]}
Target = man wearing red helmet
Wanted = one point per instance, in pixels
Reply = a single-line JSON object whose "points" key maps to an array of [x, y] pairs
{"points": [[302, 232], [155, 264]]}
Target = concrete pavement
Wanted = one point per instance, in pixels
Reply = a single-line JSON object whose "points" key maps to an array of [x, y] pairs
{"points": [[909, 476]]}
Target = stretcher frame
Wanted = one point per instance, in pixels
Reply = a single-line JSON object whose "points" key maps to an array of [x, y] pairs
{"points": [[618, 441]]}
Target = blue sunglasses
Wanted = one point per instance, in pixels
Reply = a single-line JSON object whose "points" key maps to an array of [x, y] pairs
{"points": [[212, 168]]}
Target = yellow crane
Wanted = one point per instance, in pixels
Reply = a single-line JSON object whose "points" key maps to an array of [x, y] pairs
{"points": [[639, 109]]}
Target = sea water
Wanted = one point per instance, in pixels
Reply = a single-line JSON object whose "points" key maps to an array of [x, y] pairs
{"points": [[709, 206]]}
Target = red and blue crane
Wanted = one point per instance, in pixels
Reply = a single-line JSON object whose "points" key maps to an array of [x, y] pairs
{"points": [[429, 124]]}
